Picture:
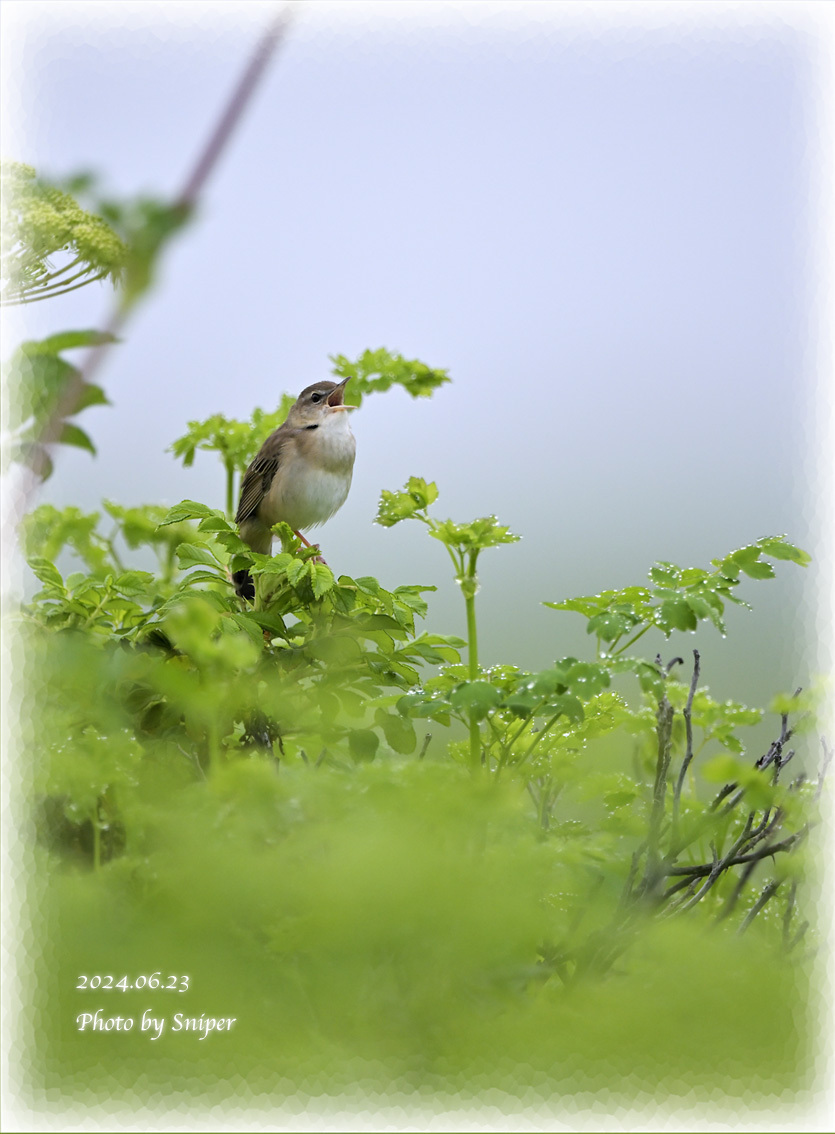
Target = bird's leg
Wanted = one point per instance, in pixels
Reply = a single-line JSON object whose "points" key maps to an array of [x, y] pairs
{"points": [[307, 543]]}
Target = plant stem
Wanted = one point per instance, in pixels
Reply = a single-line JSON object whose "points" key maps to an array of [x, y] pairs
{"points": [[664, 730], [631, 640], [29, 298], [230, 486], [472, 655], [96, 839]]}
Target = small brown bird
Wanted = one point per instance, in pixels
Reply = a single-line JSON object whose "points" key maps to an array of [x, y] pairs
{"points": [[301, 475]]}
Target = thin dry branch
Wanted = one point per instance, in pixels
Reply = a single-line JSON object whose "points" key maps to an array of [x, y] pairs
{"points": [[688, 755], [68, 403]]}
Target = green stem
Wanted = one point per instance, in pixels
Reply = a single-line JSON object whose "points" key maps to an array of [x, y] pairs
{"points": [[472, 657], [96, 839], [542, 732], [230, 487], [214, 744], [108, 594], [114, 554], [631, 640], [11, 301], [469, 580], [48, 278]]}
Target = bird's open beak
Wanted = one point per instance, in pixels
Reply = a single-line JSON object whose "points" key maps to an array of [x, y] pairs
{"points": [[336, 398]]}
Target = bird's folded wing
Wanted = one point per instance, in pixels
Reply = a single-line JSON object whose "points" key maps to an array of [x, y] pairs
{"points": [[256, 483]]}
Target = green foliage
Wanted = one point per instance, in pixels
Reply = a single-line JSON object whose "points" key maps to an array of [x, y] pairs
{"points": [[46, 390], [378, 370], [464, 544], [237, 442], [677, 599], [144, 225], [280, 794], [38, 222]]}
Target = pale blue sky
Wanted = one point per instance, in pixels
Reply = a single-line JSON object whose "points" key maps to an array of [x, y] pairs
{"points": [[605, 228]]}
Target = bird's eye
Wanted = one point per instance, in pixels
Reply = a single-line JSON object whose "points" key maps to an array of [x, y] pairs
{"points": [[316, 398]]}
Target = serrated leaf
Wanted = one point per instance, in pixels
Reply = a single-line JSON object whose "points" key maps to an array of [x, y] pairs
{"points": [[299, 569], [203, 577], [135, 582], [46, 571], [587, 679], [475, 698], [195, 555], [250, 627], [185, 510], [609, 625], [322, 579], [587, 605], [676, 614]]}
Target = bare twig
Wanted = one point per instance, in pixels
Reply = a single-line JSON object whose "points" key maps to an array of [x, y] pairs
{"points": [[773, 755], [68, 403], [768, 893], [664, 731], [742, 882], [688, 755], [827, 760], [798, 937], [764, 852], [626, 894], [789, 913], [718, 865]]}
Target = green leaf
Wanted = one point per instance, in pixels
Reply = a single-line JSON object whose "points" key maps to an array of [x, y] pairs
{"points": [[475, 536], [249, 626], [475, 698], [609, 625], [779, 548], [67, 340], [378, 370], [135, 582], [587, 605], [676, 614], [396, 506], [322, 579], [90, 395], [199, 576], [186, 510], [195, 555], [363, 744], [398, 731], [72, 435], [665, 574], [47, 572], [758, 570], [587, 679]]}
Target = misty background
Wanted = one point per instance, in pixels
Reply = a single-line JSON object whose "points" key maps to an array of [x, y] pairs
{"points": [[604, 221]]}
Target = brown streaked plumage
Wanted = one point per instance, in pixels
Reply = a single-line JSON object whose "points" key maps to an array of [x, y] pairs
{"points": [[301, 474]]}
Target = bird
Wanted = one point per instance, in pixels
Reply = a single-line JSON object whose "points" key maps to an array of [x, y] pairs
{"points": [[301, 474]]}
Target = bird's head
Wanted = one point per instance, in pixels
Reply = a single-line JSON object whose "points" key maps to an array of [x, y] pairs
{"points": [[316, 403]]}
